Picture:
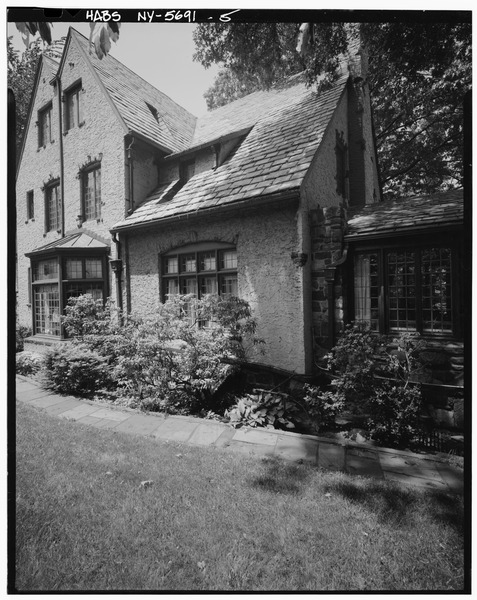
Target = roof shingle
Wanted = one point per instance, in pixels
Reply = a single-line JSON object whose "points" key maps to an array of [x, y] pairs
{"points": [[408, 214], [130, 93], [273, 157]]}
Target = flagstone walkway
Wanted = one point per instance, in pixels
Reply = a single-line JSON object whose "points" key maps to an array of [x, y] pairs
{"points": [[423, 470]]}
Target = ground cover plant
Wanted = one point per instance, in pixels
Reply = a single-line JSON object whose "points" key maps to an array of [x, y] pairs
{"points": [[214, 520]]}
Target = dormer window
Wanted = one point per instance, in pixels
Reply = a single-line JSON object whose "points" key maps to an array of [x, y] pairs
{"points": [[44, 126], [153, 110], [186, 170], [73, 108]]}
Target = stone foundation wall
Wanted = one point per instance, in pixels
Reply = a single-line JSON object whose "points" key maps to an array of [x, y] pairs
{"points": [[327, 225]]}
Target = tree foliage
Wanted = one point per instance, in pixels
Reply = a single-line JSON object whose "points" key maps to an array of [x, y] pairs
{"points": [[418, 75], [21, 76]]}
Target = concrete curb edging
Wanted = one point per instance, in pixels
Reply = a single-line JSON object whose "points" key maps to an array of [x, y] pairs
{"points": [[425, 471]]}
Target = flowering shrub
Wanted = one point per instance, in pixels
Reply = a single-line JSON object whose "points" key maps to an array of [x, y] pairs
{"points": [[168, 360]]}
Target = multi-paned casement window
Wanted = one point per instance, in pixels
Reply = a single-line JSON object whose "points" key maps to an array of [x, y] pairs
{"points": [[407, 289], [73, 107], [56, 279], [205, 270], [52, 206], [91, 193], [200, 270], [45, 134], [83, 275]]}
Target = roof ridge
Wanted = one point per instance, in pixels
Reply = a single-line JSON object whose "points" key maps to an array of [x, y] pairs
{"points": [[109, 55]]}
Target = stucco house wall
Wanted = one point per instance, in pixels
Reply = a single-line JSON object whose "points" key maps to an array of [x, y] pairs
{"points": [[268, 277]]}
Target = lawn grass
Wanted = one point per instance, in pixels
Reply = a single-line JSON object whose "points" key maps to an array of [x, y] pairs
{"points": [[215, 520]]}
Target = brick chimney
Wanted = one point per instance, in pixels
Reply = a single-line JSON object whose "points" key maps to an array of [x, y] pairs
{"points": [[363, 169]]}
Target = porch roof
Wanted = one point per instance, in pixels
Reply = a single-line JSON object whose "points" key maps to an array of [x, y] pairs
{"points": [[74, 241], [408, 215]]}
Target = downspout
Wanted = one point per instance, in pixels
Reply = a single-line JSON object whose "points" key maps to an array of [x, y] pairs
{"points": [[131, 176], [62, 160], [117, 268], [330, 276]]}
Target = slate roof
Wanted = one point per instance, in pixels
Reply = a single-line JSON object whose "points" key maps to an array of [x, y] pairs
{"points": [[407, 215], [288, 126], [76, 240], [130, 93]]}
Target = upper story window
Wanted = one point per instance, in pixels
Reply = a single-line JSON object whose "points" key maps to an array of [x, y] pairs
{"points": [[52, 206], [91, 193], [405, 289], [341, 165], [73, 107], [44, 126], [153, 110], [30, 205], [186, 170]]}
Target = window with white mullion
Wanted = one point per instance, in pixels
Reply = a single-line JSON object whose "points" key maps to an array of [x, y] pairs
{"points": [[200, 272]]}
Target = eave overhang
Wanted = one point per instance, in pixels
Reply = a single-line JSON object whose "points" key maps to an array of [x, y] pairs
{"points": [[403, 232], [290, 197]]}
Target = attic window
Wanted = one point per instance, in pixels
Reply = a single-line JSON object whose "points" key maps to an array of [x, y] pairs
{"points": [[341, 164], [187, 170], [153, 110], [44, 125], [73, 107]]}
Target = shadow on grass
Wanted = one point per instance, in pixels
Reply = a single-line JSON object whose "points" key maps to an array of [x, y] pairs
{"points": [[281, 477], [399, 506]]}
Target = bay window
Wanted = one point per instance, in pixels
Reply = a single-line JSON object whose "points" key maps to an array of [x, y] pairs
{"points": [[56, 279]]}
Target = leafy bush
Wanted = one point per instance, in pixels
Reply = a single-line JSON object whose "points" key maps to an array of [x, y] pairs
{"points": [[322, 406], [28, 363], [175, 358], [262, 409], [85, 316], [395, 411], [75, 369], [21, 332], [373, 375], [353, 365]]}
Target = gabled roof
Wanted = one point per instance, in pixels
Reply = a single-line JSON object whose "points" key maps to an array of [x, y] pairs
{"points": [[408, 215], [50, 65], [174, 126], [74, 241], [288, 125], [246, 111]]}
